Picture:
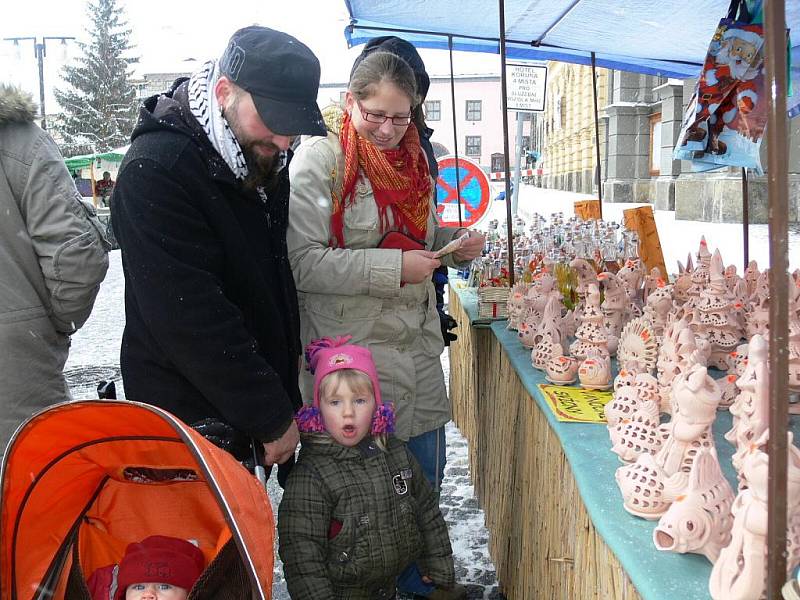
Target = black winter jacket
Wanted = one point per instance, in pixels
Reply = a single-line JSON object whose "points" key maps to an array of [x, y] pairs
{"points": [[212, 327]]}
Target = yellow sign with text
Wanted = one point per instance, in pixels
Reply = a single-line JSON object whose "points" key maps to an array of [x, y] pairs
{"points": [[576, 405]]}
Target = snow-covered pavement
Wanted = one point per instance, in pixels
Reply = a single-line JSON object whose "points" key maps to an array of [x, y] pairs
{"points": [[94, 355]]}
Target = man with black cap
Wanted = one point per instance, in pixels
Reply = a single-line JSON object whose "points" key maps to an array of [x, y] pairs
{"points": [[200, 212]]}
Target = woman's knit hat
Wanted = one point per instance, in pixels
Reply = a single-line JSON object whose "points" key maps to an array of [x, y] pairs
{"points": [[326, 355], [160, 559]]}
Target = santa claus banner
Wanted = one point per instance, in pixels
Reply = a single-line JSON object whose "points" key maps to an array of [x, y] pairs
{"points": [[725, 119]]}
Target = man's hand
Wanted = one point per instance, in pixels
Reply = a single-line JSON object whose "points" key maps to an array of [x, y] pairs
{"points": [[282, 449]]}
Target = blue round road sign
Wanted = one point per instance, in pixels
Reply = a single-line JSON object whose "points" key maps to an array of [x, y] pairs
{"points": [[474, 187]]}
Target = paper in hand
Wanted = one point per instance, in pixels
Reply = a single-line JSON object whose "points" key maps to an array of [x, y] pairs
{"points": [[452, 246]]}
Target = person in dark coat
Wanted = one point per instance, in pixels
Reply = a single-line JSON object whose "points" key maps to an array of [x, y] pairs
{"points": [[200, 212]]}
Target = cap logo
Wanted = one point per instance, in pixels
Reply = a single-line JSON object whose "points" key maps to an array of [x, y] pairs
{"points": [[233, 60], [340, 359]]}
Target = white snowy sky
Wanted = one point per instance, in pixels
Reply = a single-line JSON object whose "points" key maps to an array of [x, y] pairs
{"points": [[167, 33]]}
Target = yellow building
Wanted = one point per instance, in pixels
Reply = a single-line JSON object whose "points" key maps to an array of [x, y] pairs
{"points": [[566, 129]]}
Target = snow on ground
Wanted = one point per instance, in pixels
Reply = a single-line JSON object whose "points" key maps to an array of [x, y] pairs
{"points": [[94, 355]]}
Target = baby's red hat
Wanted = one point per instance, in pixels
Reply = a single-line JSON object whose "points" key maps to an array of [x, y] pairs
{"points": [[160, 559]]}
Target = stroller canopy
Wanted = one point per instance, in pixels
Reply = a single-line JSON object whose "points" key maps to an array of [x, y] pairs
{"points": [[84, 479]]}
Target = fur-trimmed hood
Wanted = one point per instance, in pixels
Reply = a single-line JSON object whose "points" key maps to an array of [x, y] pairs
{"points": [[16, 105]]}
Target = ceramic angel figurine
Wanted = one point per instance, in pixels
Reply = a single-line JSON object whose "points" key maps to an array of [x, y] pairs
{"points": [[751, 275], [700, 520], [651, 484]]}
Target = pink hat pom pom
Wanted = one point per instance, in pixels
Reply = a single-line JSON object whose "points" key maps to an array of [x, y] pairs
{"points": [[309, 420], [383, 419], [314, 346]]}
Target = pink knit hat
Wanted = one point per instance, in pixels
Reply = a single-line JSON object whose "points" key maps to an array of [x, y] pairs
{"points": [[326, 355]]}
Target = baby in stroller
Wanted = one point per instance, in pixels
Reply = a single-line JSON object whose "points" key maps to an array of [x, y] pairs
{"points": [[157, 568]]}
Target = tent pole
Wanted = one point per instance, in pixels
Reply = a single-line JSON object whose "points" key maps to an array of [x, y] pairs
{"points": [[745, 218], [455, 126], [597, 135], [504, 108], [778, 195]]}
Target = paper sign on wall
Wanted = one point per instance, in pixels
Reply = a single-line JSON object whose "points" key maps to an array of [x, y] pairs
{"points": [[527, 85], [576, 405]]}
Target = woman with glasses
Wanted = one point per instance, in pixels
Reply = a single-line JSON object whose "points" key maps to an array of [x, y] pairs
{"points": [[362, 238]]}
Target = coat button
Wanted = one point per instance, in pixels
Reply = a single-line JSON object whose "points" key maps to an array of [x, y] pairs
{"points": [[344, 557]]}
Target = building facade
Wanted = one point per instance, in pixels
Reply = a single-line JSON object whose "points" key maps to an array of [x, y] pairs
{"points": [[640, 119]]}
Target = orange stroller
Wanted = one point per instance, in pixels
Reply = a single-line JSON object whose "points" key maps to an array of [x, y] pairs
{"points": [[81, 480]]}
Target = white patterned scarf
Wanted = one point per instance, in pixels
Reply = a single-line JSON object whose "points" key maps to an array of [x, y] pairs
{"points": [[205, 108]]}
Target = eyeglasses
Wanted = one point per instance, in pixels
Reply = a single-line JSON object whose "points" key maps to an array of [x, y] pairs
{"points": [[400, 121]]}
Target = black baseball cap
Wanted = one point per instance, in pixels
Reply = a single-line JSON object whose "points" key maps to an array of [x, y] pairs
{"points": [[281, 74]]}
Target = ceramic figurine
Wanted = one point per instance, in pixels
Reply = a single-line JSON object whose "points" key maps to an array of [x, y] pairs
{"points": [[681, 286], [638, 349], [794, 337], [637, 433], [659, 306], [751, 275], [546, 348], [587, 276], [751, 406], [699, 277], [651, 282], [713, 317], [615, 307], [632, 277], [562, 370], [590, 336], [740, 571], [595, 372], [653, 482], [527, 333], [622, 405], [516, 304], [700, 520], [624, 378]]}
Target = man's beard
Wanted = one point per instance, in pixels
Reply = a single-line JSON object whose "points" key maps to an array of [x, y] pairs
{"points": [[262, 171]]}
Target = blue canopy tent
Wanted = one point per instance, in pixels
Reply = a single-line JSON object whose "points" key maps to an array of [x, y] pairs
{"points": [[668, 39]]}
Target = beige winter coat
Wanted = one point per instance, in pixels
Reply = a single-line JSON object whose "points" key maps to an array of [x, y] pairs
{"points": [[52, 260], [356, 290]]}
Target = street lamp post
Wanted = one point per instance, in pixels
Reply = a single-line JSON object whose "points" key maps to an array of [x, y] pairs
{"points": [[40, 50]]}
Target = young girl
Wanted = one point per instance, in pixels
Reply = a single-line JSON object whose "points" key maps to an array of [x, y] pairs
{"points": [[357, 508]]}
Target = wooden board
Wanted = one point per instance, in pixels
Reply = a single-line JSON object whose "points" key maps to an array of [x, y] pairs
{"points": [[587, 209], [642, 221]]}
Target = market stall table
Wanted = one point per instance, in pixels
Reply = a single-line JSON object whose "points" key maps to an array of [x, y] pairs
{"points": [[553, 509]]}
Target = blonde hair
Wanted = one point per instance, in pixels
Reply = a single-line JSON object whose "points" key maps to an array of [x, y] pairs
{"points": [[359, 383], [378, 67]]}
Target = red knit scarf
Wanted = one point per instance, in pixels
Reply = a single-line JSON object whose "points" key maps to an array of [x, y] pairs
{"points": [[400, 181]]}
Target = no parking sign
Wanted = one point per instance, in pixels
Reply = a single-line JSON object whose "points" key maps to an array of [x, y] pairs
{"points": [[473, 184]]}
